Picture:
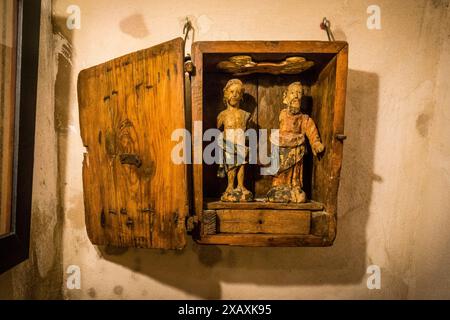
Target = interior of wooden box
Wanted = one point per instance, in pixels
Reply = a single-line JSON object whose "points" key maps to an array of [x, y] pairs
{"points": [[263, 100]]}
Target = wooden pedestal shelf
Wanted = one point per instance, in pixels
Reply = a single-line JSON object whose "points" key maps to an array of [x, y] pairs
{"points": [[265, 224], [262, 205]]}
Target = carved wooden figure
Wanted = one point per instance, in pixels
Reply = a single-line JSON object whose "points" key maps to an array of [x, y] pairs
{"points": [[234, 121], [295, 127]]}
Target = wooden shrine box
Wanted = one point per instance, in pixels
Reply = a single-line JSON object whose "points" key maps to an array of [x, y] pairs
{"points": [[136, 196]]}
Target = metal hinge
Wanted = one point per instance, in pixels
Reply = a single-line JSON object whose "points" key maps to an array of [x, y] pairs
{"points": [[191, 222], [189, 66], [341, 137]]}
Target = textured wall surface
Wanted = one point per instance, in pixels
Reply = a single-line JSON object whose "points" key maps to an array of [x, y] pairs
{"points": [[41, 276], [395, 180], [393, 202]]}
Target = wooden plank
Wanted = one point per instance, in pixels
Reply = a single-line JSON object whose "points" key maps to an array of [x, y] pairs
{"points": [[262, 205], [338, 145], [135, 196], [264, 221], [323, 93], [329, 107], [338, 128], [197, 136], [270, 46], [264, 240]]}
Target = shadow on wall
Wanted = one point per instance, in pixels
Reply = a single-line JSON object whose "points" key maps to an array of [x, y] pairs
{"points": [[200, 270]]}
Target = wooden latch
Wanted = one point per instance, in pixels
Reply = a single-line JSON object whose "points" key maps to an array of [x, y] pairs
{"points": [[131, 159]]}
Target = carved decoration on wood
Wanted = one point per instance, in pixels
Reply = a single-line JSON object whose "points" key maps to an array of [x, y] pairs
{"points": [[244, 65]]}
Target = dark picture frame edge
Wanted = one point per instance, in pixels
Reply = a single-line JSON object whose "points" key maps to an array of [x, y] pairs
{"points": [[14, 247]]}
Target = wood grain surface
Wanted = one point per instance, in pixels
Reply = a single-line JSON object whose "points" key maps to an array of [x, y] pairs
{"points": [[135, 196]]}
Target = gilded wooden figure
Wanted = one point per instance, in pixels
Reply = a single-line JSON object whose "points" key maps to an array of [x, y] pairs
{"points": [[295, 128]]}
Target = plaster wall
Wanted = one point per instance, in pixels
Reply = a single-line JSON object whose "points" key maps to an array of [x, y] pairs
{"points": [[393, 201]]}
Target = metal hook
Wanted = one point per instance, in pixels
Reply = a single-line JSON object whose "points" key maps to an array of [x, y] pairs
{"points": [[187, 28], [326, 25]]}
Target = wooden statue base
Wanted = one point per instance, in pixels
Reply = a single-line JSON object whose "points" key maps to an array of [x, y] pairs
{"points": [[237, 195], [286, 194]]}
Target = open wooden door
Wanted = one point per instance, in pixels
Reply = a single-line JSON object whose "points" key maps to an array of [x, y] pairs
{"points": [[134, 194]]}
